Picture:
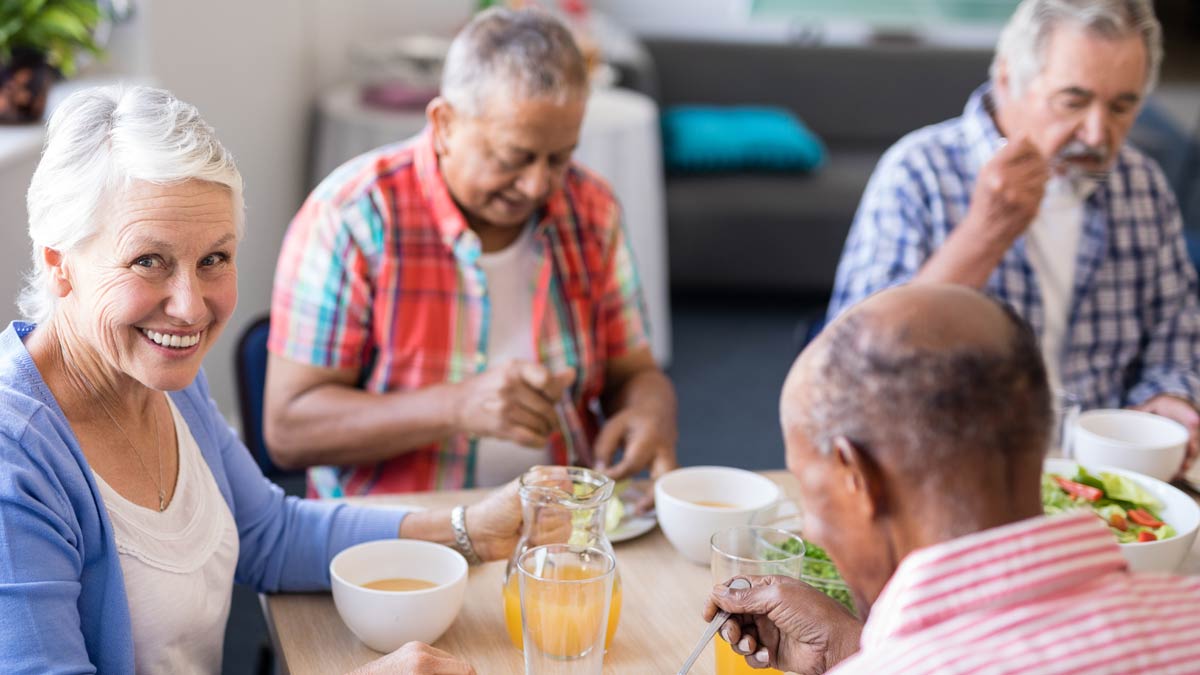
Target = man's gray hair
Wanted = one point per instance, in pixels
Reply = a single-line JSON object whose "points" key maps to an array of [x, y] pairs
{"points": [[517, 53], [1023, 41], [97, 142]]}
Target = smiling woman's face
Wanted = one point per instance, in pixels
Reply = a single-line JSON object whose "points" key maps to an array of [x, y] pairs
{"points": [[152, 290]]}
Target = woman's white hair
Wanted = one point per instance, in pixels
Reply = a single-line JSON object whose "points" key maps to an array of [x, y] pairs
{"points": [[520, 53], [97, 142], [1022, 44]]}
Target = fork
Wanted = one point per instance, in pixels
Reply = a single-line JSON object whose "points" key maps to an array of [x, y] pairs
{"points": [[713, 626]]}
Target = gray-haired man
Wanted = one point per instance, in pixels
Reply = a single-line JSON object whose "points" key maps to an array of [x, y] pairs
{"points": [[477, 283], [1033, 196]]}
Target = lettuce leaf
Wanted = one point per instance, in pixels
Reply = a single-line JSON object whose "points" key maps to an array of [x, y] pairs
{"points": [[1120, 488]]}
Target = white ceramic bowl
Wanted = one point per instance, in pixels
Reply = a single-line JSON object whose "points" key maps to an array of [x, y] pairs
{"points": [[1131, 439], [1179, 510], [385, 620], [688, 525]]}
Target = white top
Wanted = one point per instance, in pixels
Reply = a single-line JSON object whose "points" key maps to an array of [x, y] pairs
{"points": [[511, 282], [178, 566], [1052, 243]]}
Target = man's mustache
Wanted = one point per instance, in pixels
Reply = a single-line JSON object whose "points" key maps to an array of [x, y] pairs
{"points": [[1077, 150]]}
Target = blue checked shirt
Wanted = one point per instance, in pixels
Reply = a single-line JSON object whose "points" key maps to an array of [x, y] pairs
{"points": [[1134, 328]]}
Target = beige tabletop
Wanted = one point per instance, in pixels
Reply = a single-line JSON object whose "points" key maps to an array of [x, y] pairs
{"points": [[660, 620]]}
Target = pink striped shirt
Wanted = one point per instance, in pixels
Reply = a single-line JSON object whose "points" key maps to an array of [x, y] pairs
{"points": [[1043, 596]]}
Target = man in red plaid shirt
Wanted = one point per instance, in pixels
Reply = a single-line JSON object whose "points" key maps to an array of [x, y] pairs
{"points": [[454, 309]]}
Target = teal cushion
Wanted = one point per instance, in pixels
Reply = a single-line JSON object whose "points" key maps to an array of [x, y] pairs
{"points": [[711, 138]]}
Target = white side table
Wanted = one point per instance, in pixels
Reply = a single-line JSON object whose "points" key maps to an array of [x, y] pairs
{"points": [[347, 128], [619, 141]]}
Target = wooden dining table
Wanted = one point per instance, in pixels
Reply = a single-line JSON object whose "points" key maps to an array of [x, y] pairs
{"points": [[659, 625]]}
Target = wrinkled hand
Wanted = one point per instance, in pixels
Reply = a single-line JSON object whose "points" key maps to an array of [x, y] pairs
{"points": [[514, 401], [1009, 190], [648, 437], [417, 658], [786, 624], [1183, 411], [494, 524]]}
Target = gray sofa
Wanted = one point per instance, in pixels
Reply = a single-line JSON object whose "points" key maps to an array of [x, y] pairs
{"points": [[784, 231]]}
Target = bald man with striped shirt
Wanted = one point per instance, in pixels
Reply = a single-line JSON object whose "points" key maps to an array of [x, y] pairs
{"points": [[916, 425]]}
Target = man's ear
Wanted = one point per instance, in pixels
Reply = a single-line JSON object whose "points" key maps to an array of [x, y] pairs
{"points": [[864, 482], [60, 278], [441, 116]]}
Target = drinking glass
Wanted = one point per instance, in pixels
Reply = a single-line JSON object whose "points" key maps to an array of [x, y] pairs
{"points": [[560, 505], [566, 592], [1066, 409], [748, 550]]}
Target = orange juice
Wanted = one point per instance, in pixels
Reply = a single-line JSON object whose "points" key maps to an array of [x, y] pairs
{"points": [[512, 608], [730, 662]]}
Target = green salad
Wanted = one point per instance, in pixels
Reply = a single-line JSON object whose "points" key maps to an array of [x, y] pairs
{"points": [[1130, 511], [819, 571]]}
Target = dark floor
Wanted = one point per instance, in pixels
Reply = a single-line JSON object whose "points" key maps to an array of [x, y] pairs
{"points": [[730, 357]]}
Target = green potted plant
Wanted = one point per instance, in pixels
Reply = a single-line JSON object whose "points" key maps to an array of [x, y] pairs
{"points": [[39, 41]]}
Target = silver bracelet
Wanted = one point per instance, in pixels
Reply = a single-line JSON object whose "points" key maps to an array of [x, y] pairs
{"points": [[462, 542]]}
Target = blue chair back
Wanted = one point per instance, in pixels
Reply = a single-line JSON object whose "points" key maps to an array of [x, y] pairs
{"points": [[251, 372]]}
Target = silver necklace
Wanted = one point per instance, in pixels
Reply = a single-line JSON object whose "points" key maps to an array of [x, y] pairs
{"points": [[162, 494]]}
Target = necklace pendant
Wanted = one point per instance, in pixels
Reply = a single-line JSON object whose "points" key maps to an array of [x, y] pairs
{"points": [[162, 501]]}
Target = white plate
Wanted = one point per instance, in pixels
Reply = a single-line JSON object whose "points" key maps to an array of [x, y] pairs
{"points": [[632, 527]]}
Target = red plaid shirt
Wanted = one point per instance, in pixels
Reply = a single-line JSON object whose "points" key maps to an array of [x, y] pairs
{"points": [[379, 272]]}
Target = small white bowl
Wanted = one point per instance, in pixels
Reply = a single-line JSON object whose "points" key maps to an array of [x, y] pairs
{"points": [[1131, 439], [1179, 510], [385, 620], [689, 525]]}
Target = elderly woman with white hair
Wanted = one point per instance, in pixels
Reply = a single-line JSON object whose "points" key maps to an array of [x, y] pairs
{"points": [[128, 507]]}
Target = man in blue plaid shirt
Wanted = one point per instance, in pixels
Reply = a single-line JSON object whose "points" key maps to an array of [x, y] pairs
{"points": [[1033, 195]]}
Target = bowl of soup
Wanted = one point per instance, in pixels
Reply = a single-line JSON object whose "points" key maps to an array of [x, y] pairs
{"points": [[694, 503], [393, 591]]}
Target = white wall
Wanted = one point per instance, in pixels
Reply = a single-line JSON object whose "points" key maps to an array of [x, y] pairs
{"points": [[254, 68], [248, 67], [15, 172]]}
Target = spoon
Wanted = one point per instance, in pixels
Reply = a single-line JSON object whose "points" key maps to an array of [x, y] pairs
{"points": [[738, 584]]}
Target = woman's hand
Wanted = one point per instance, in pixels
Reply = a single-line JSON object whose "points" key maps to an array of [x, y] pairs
{"points": [[416, 658], [494, 524]]}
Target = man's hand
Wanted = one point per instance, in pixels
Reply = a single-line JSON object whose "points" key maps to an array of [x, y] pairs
{"points": [[494, 524], [1183, 411], [648, 437], [786, 624], [1008, 192], [514, 401], [416, 658]]}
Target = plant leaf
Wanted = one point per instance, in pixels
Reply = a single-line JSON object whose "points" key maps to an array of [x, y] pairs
{"points": [[59, 22]]}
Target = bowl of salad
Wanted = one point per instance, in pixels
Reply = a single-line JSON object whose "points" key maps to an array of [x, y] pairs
{"points": [[817, 570], [1154, 523]]}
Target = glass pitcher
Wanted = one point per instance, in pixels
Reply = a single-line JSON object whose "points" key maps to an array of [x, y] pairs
{"points": [[560, 505]]}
